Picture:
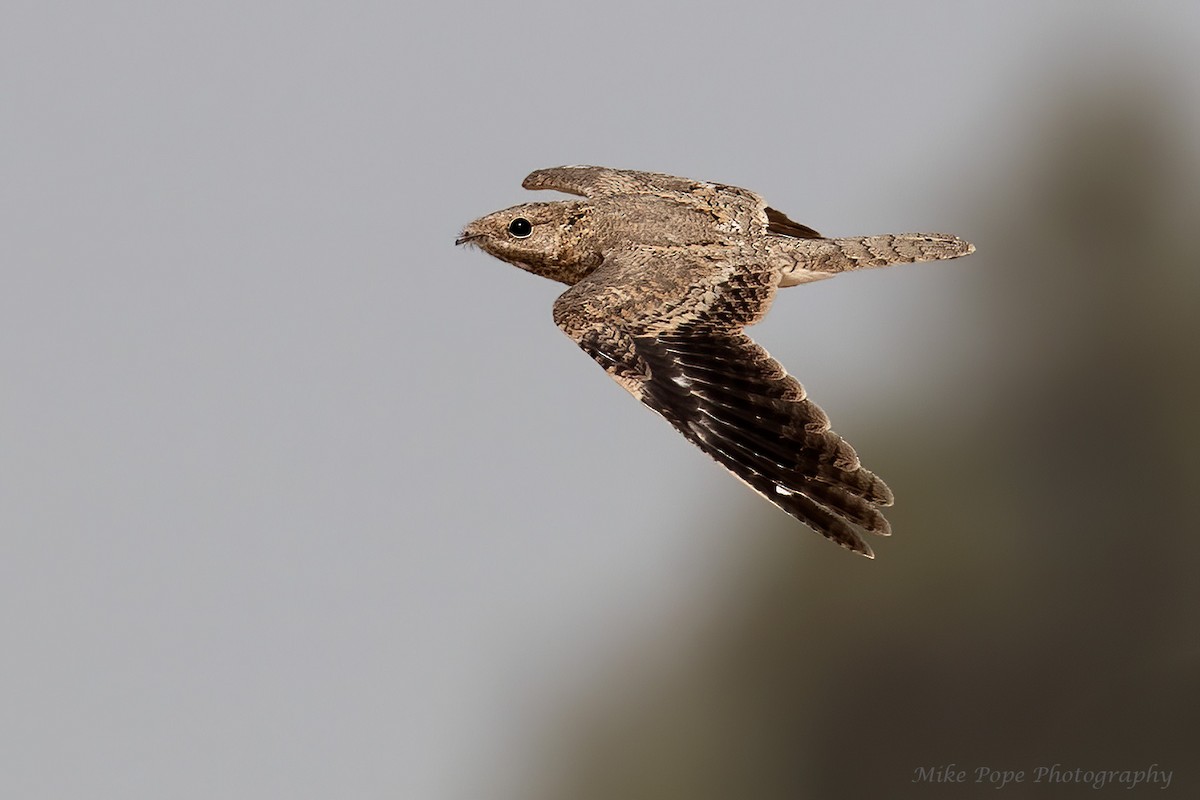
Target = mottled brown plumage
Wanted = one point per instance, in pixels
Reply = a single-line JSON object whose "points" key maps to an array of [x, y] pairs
{"points": [[664, 274]]}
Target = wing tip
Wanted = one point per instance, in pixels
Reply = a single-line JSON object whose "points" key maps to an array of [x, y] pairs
{"points": [[779, 223], [855, 545]]}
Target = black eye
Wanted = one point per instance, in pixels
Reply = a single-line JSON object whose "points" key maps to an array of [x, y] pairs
{"points": [[520, 228]]}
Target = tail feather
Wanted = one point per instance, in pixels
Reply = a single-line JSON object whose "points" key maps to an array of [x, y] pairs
{"points": [[804, 260]]}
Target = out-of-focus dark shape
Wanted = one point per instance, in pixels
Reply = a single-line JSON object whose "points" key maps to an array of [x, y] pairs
{"points": [[1040, 602]]}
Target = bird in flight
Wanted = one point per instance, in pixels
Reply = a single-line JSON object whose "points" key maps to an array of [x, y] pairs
{"points": [[664, 275]]}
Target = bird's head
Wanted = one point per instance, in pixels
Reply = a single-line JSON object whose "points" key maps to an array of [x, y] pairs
{"points": [[548, 239]]}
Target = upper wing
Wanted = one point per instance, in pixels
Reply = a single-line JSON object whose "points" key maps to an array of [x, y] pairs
{"points": [[727, 396], [599, 181], [607, 182], [603, 181]]}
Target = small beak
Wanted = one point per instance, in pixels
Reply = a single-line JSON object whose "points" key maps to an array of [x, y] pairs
{"points": [[466, 236]]}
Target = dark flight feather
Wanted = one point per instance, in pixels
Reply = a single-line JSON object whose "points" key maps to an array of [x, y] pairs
{"points": [[726, 395], [778, 222]]}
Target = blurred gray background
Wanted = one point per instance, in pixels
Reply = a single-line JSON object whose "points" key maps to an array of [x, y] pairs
{"points": [[297, 500]]}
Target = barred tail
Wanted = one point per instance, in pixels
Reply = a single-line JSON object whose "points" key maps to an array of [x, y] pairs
{"points": [[804, 260]]}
